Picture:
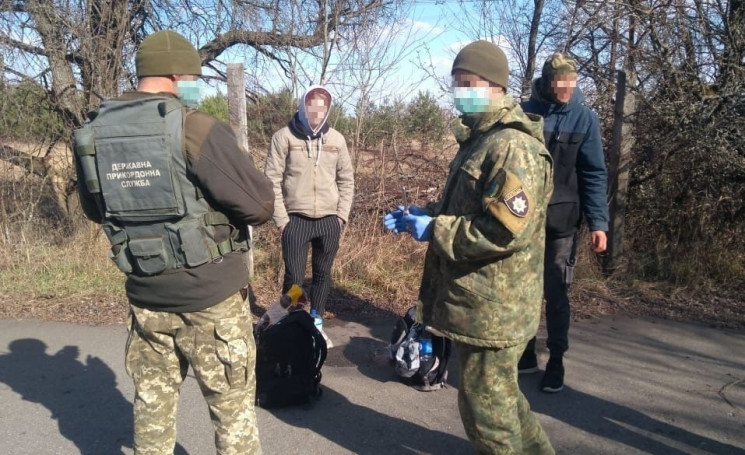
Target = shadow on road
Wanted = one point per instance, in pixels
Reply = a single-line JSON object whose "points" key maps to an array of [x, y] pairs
{"points": [[82, 397], [370, 431], [617, 422]]}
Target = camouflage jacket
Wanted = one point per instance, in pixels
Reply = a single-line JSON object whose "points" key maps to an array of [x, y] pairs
{"points": [[483, 273]]}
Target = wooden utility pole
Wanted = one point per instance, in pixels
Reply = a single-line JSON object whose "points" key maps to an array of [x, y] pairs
{"points": [[620, 153], [239, 123]]}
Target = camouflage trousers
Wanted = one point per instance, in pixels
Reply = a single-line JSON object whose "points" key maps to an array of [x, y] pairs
{"points": [[218, 344], [495, 413]]}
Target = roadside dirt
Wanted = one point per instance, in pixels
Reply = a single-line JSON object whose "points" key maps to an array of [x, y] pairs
{"points": [[589, 299]]}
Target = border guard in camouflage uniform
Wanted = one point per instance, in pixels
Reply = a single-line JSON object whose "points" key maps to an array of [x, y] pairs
{"points": [[482, 283], [173, 192]]}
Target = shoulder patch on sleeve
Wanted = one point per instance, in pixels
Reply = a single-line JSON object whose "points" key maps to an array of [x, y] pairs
{"points": [[509, 202], [518, 203]]}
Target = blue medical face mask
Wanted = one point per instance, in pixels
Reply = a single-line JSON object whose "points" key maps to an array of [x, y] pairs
{"points": [[471, 100], [189, 92]]}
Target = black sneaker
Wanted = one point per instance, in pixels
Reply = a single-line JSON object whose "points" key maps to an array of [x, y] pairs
{"points": [[528, 363], [553, 378]]}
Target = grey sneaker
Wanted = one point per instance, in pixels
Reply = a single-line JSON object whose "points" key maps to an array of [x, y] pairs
{"points": [[553, 378]]}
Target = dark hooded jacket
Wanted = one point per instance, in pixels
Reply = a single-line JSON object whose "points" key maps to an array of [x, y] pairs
{"points": [[572, 134]]}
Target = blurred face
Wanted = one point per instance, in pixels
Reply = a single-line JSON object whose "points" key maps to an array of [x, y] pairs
{"points": [[562, 86], [188, 89], [316, 107], [465, 79], [472, 93]]}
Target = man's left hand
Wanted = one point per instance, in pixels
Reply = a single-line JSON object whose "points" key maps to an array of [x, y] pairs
{"points": [[341, 222], [419, 226], [599, 241]]}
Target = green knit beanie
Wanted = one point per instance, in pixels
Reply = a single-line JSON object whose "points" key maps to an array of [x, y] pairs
{"points": [[558, 63], [484, 59], [167, 53]]}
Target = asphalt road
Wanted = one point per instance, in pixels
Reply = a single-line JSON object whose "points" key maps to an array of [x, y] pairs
{"points": [[632, 386]]}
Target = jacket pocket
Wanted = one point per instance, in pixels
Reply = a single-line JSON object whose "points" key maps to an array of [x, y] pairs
{"points": [[149, 254], [567, 145], [466, 184], [118, 252], [562, 219], [478, 282], [193, 242]]}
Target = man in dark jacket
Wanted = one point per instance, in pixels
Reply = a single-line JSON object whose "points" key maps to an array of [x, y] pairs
{"points": [[173, 191], [572, 135]]}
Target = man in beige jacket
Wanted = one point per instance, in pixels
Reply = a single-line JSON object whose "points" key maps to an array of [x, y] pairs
{"points": [[309, 164]]}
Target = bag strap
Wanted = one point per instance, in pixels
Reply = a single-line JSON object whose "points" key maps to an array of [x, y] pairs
{"points": [[306, 322]]}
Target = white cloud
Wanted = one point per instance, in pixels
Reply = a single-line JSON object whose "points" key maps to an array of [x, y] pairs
{"points": [[430, 29]]}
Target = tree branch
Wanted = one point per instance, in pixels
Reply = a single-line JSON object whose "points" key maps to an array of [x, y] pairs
{"points": [[32, 164], [257, 40], [21, 46]]}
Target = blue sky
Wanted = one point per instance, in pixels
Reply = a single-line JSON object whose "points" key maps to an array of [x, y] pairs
{"points": [[432, 41], [436, 19], [433, 33], [428, 34]]}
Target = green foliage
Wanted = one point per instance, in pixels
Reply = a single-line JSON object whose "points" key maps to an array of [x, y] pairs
{"points": [[400, 123], [217, 106], [267, 114], [26, 113], [340, 122], [425, 121], [384, 124]]}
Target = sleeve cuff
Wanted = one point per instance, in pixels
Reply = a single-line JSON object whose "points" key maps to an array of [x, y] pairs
{"points": [[598, 227]]}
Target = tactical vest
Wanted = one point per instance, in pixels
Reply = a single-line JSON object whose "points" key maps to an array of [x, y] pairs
{"points": [[130, 154]]}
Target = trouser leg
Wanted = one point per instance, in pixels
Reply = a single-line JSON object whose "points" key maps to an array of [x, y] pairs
{"points": [[496, 415], [530, 346], [325, 244], [157, 369], [220, 346], [295, 240], [557, 277]]}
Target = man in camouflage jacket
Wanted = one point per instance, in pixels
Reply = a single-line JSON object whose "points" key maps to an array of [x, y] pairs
{"points": [[482, 280]]}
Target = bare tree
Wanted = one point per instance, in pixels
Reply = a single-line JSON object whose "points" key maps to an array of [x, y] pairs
{"points": [[79, 52], [675, 151], [684, 62], [526, 30], [365, 73]]}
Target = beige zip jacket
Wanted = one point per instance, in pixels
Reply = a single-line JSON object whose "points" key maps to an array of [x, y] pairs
{"points": [[311, 177]]}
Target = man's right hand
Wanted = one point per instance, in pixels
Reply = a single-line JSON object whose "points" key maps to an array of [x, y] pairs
{"points": [[598, 241], [282, 228]]}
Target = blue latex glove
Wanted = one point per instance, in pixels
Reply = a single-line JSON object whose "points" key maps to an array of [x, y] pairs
{"points": [[415, 210], [393, 222], [420, 226]]}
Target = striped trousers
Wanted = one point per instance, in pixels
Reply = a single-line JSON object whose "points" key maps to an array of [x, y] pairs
{"points": [[323, 235]]}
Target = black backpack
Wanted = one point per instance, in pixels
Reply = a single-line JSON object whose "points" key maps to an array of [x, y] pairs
{"points": [[405, 355], [289, 357]]}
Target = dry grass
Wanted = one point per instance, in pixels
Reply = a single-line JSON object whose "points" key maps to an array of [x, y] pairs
{"points": [[49, 275], [53, 272]]}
